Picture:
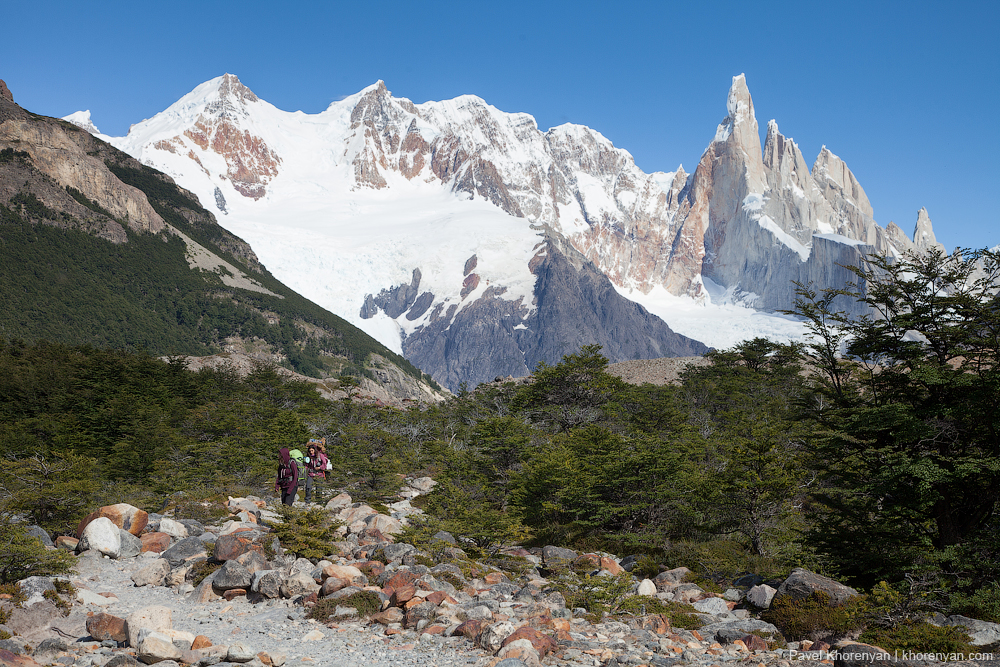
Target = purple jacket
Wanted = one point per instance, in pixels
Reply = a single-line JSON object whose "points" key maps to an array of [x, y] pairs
{"points": [[286, 460]]}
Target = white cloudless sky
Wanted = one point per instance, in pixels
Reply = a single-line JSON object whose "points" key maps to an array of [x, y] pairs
{"points": [[907, 93]]}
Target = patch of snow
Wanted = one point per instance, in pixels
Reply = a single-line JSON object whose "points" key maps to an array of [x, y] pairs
{"points": [[82, 120], [840, 238]]}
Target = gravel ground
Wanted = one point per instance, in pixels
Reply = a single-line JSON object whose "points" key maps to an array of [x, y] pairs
{"points": [[276, 626], [661, 371]]}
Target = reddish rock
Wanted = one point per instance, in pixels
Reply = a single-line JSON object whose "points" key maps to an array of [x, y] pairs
{"points": [[755, 643], [371, 536], [541, 643], [155, 542], [697, 635], [469, 629], [563, 636], [587, 562], [200, 642], [66, 542], [265, 658], [234, 593], [611, 566], [332, 585], [8, 659], [401, 579], [437, 597], [234, 545], [655, 623], [103, 626], [389, 616], [122, 515], [434, 630], [494, 578], [402, 594]]}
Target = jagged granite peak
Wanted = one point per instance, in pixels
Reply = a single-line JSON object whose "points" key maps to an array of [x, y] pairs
{"points": [[5, 91], [923, 233]]}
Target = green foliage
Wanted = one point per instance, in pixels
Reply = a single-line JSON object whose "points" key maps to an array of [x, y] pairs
{"points": [[680, 614], [365, 602], [306, 533], [597, 594], [983, 604], [53, 492], [22, 556], [814, 617], [10, 155], [201, 570], [61, 605], [907, 429], [920, 637]]}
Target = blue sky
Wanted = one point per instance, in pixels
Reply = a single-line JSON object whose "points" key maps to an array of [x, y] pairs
{"points": [[907, 93]]}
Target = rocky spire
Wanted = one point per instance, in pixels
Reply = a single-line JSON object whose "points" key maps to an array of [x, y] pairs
{"points": [[5, 91], [923, 233]]}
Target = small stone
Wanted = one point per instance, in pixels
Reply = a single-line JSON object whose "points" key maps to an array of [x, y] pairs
{"points": [[200, 642], [646, 587], [240, 653]]}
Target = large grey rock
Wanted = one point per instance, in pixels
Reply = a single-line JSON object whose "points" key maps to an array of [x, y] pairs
{"points": [[557, 557], [726, 632], [156, 647], [152, 574], [232, 575], [298, 583], [802, 583], [194, 527], [174, 529], [39, 532], [714, 606], [187, 549], [240, 653], [131, 546], [153, 617], [34, 589], [981, 632], [394, 553], [101, 535], [267, 583], [761, 595]]}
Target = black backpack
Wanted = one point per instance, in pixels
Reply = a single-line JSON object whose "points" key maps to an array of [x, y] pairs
{"points": [[286, 474]]}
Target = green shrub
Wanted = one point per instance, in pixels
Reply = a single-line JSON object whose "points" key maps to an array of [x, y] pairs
{"points": [[680, 614], [4, 635], [60, 604], [596, 594], [920, 637], [814, 617], [366, 602], [22, 556], [984, 604], [307, 533], [201, 570]]}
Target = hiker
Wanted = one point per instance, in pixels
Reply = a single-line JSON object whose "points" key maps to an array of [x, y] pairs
{"points": [[316, 464], [288, 477]]}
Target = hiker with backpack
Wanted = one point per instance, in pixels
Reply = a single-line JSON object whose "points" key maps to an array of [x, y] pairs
{"points": [[288, 477], [316, 465]]}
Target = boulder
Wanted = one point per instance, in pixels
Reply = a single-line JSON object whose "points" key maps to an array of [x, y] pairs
{"points": [[761, 595], [103, 627], [267, 583], [802, 583], [253, 561], [543, 644], [348, 572], [174, 529], [122, 515], [491, 637], [339, 502], [155, 542], [234, 545], [193, 526], [351, 514], [152, 574], [102, 536], [156, 647], [714, 606], [232, 575], [34, 589], [557, 557], [726, 632], [671, 578], [981, 632], [66, 542], [422, 484], [240, 653], [185, 550], [39, 532], [154, 617], [131, 546], [298, 583], [384, 524], [646, 587], [519, 652], [394, 553]]}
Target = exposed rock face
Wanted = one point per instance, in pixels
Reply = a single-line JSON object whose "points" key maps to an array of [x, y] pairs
{"points": [[5, 92], [574, 305]]}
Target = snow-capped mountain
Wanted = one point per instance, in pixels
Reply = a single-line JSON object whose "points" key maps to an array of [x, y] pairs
{"points": [[477, 245]]}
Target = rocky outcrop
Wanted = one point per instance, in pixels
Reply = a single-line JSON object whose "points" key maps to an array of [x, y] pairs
{"points": [[573, 305]]}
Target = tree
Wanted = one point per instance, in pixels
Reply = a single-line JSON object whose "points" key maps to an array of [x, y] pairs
{"points": [[910, 437]]}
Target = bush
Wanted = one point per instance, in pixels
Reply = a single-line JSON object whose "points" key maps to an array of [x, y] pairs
{"points": [[814, 617], [680, 614], [22, 556], [920, 637], [307, 533], [366, 602], [596, 594], [984, 604]]}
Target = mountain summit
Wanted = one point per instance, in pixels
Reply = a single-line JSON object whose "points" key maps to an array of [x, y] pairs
{"points": [[376, 207]]}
